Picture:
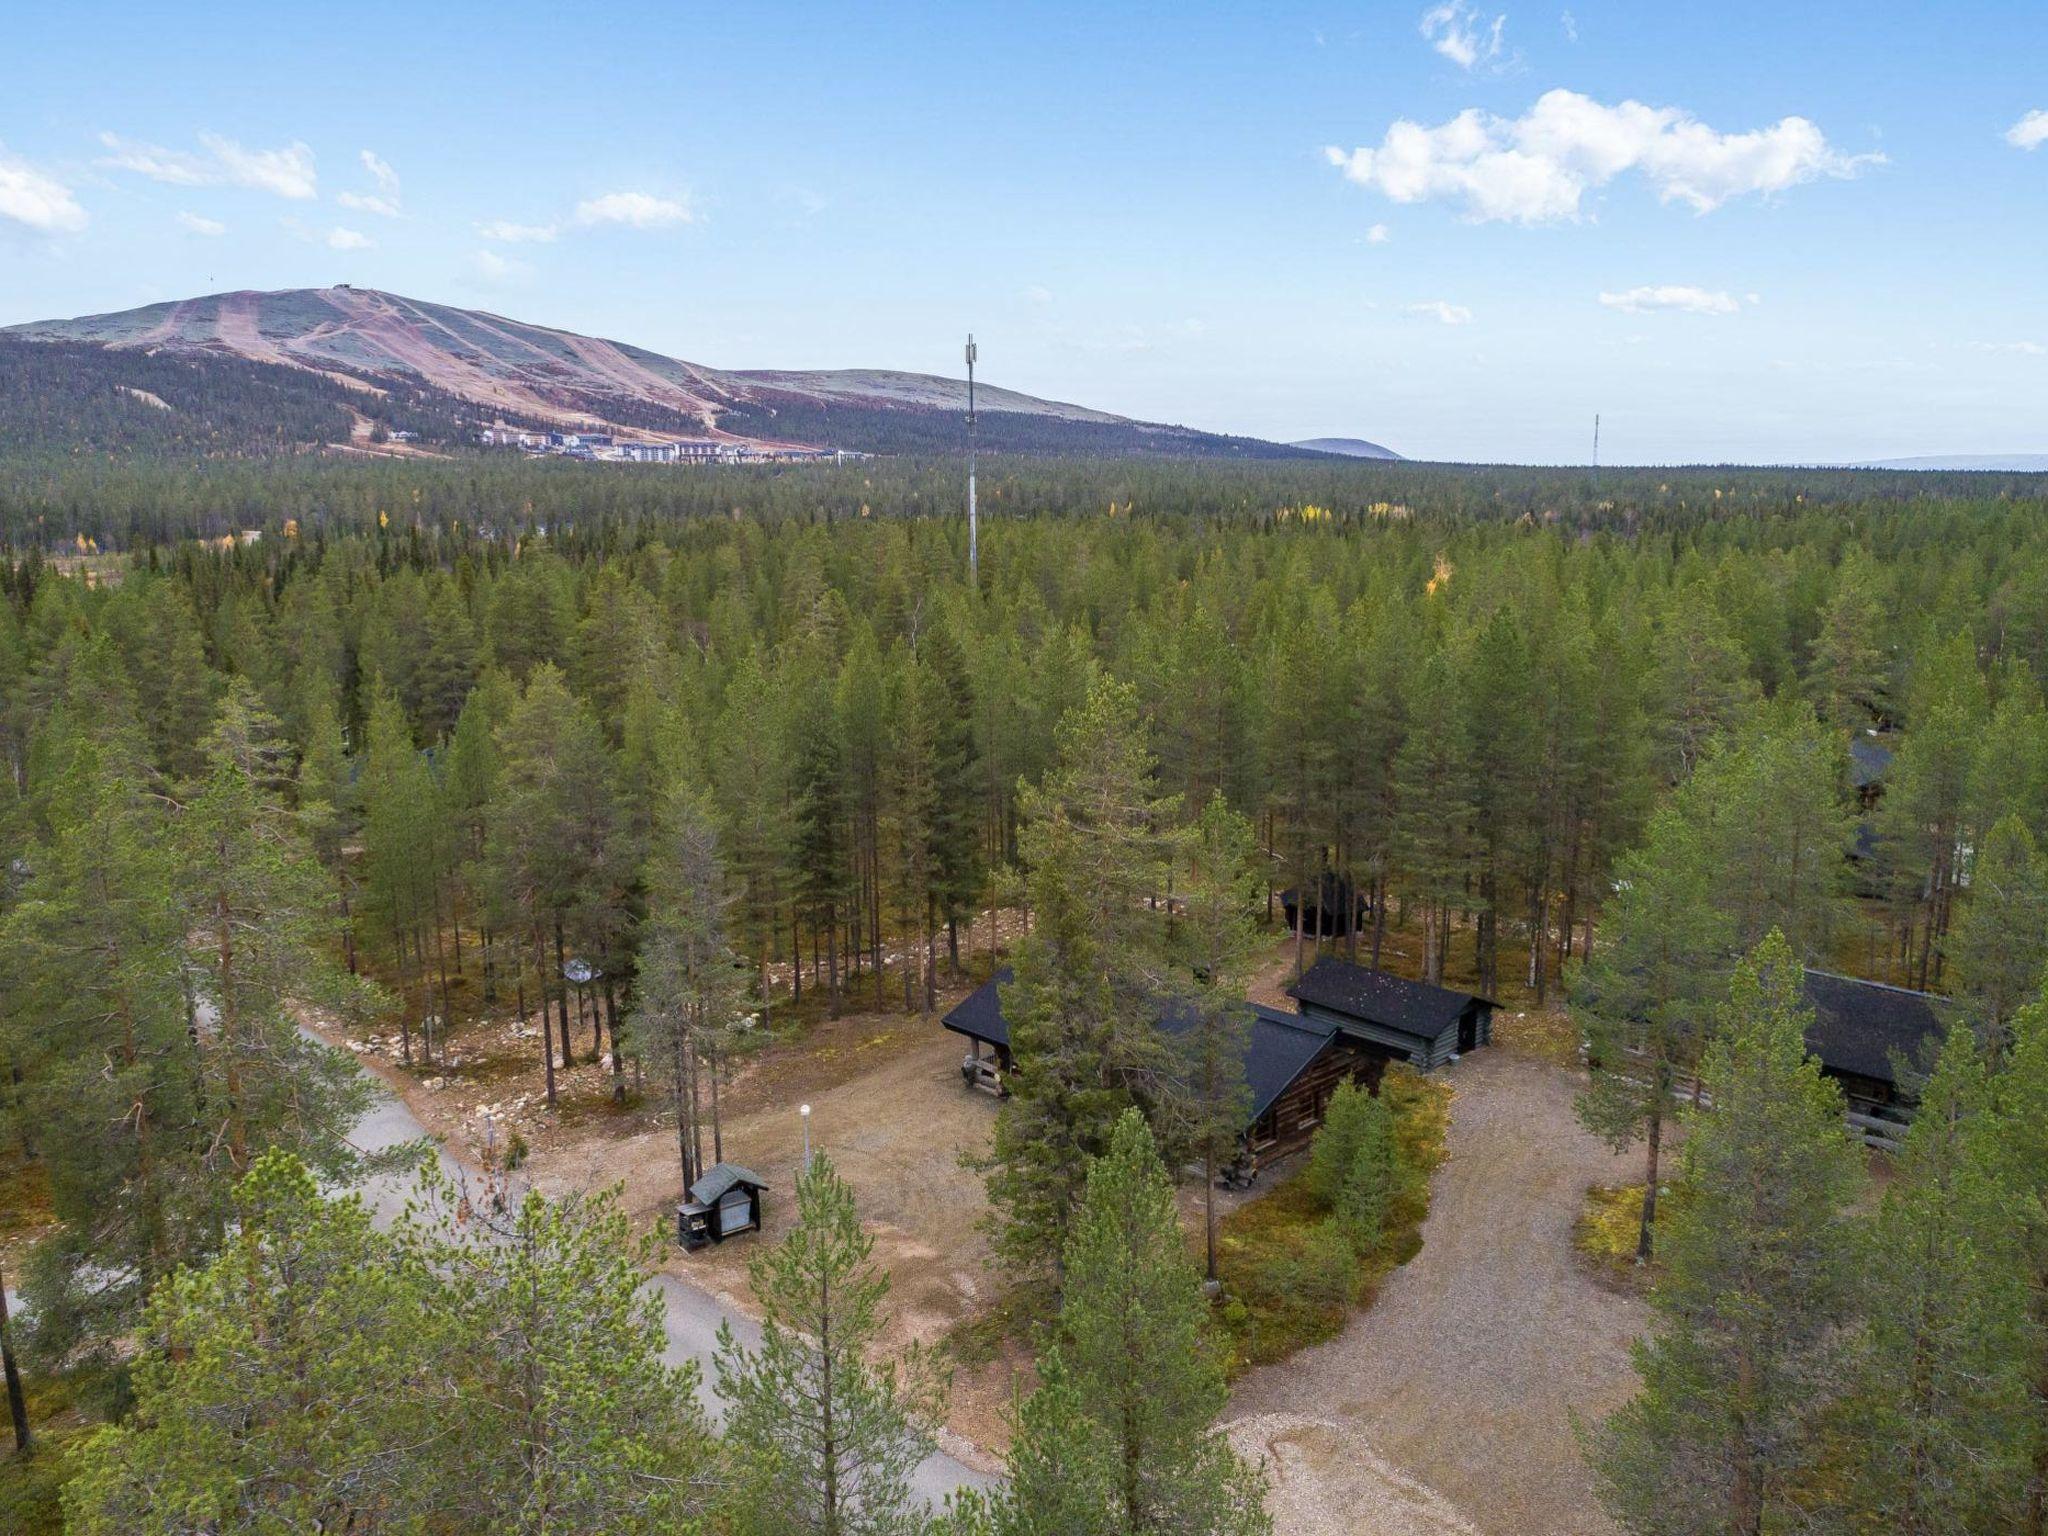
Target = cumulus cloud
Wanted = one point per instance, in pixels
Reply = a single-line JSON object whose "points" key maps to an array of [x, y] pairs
{"points": [[385, 201], [1441, 312], [339, 239], [1037, 293], [518, 234], [637, 210], [199, 224], [2030, 132], [1538, 168], [1679, 297], [42, 203], [496, 271], [287, 172], [1378, 235], [1458, 32]]}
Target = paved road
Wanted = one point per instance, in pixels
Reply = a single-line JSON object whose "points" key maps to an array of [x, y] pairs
{"points": [[691, 1316], [1466, 1370]]}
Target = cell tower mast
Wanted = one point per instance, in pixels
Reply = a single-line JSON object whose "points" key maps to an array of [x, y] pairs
{"points": [[1596, 453], [973, 530]]}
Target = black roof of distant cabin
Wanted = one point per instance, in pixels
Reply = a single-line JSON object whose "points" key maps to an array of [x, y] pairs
{"points": [[1869, 760], [1413, 1007], [720, 1179], [1859, 1026], [1278, 1045]]}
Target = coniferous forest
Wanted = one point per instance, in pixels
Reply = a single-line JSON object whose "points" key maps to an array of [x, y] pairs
{"points": [[292, 740]]}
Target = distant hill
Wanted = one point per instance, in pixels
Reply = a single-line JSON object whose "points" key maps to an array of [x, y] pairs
{"points": [[371, 363], [1349, 447], [2006, 463]]}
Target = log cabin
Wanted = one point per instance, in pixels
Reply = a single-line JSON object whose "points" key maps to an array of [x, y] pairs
{"points": [[1874, 1040], [1293, 1063], [1412, 1021]]}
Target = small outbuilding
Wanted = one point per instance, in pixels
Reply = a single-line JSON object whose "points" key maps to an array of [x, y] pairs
{"points": [[1336, 907], [1412, 1021], [725, 1202], [979, 1017]]}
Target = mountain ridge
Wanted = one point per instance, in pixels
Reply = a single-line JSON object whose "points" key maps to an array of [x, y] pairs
{"points": [[541, 376]]}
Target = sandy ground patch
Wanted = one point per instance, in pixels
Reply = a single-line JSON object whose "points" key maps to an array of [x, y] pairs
{"points": [[1325, 1480], [1466, 1371]]}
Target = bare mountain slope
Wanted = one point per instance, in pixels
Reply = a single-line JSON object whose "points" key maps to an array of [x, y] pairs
{"points": [[506, 368]]}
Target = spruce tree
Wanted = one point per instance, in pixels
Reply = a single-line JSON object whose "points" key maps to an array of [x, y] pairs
{"points": [[1744, 1358], [2001, 939]]}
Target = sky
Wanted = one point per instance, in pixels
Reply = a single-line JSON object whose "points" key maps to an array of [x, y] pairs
{"points": [[1737, 231]]}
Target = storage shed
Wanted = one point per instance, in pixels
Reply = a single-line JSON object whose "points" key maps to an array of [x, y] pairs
{"points": [[725, 1202], [1409, 1021]]}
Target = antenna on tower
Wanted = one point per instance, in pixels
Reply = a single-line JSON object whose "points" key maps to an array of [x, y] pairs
{"points": [[1596, 453], [973, 531]]}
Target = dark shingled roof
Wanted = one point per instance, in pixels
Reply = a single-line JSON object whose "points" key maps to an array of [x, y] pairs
{"points": [[1858, 1026], [1413, 1007], [1869, 760], [719, 1179], [1277, 1045], [980, 1013]]}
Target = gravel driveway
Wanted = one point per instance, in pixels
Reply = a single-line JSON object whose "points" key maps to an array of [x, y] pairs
{"points": [[1466, 1370]]}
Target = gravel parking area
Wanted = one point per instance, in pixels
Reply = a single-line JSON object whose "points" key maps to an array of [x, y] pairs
{"points": [[1466, 1371]]}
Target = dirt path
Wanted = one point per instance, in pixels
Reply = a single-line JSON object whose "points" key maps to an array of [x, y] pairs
{"points": [[1467, 1369]]}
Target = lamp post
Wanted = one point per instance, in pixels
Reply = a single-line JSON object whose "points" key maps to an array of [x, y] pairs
{"points": [[804, 1113]]}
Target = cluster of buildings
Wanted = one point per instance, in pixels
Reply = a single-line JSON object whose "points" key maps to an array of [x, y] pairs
{"points": [[607, 447]]}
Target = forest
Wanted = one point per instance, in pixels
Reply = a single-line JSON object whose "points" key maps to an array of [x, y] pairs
{"points": [[759, 748]]}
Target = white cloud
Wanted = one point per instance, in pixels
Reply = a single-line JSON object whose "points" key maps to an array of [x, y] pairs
{"points": [[1039, 294], [1679, 297], [1570, 23], [287, 172], [638, 210], [2023, 348], [518, 234], [198, 224], [1377, 235], [1538, 168], [1441, 312], [1462, 35], [386, 201], [2030, 132], [497, 270], [349, 240], [41, 202]]}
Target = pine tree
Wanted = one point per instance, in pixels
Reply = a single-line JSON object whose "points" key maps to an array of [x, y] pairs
{"points": [[824, 1438], [2019, 1135], [1062, 1474], [1644, 1002], [1934, 1411], [2001, 939], [260, 916], [1848, 676], [264, 1396], [1743, 1361], [1433, 819], [1090, 976], [1209, 1102], [1145, 1365], [689, 998]]}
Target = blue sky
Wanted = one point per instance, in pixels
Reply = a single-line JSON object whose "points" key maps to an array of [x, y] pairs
{"points": [[1739, 231]]}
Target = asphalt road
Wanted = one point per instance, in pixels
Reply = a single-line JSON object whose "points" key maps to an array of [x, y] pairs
{"points": [[690, 1316]]}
